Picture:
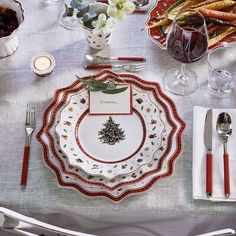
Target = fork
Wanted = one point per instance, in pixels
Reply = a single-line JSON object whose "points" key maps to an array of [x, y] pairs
{"points": [[127, 67], [29, 129]]}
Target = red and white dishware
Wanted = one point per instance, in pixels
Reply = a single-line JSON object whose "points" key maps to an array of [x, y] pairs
{"points": [[121, 185]]}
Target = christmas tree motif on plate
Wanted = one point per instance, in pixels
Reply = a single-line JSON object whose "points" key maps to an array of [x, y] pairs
{"points": [[111, 133]]}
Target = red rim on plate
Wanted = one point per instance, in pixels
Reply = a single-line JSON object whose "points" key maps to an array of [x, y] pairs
{"points": [[47, 131], [76, 90], [125, 158], [127, 192], [156, 34]]}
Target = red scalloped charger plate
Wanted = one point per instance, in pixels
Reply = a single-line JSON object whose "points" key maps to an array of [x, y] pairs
{"points": [[128, 192]]}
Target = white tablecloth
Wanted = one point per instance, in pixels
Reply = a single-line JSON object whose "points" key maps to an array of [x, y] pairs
{"points": [[19, 86]]}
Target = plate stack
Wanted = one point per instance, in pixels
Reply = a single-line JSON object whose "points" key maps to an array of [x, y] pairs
{"points": [[111, 156]]}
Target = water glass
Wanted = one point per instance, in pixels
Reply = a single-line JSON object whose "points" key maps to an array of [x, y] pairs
{"points": [[221, 65]]}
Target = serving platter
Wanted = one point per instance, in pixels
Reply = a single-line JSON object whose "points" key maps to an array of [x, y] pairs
{"points": [[71, 177], [157, 35]]}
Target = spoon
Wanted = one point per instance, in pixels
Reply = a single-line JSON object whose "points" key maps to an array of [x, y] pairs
{"points": [[99, 59], [224, 129]]}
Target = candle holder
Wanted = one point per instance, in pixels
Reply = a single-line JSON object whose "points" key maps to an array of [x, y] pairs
{"points": [[42, 64]]}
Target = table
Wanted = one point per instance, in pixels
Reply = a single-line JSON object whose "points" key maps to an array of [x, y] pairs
{"points": [[19, 86]]}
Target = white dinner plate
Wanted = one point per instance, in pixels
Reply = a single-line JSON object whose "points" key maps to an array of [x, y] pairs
{"points": [[79, 135]]}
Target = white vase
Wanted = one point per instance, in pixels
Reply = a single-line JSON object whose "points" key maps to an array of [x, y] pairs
{"points": [[97, 40], [10, 43]]}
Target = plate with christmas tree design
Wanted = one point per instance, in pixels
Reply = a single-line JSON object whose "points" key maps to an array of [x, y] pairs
{"points": [[109, 145], [122, 186], [50, 141]]}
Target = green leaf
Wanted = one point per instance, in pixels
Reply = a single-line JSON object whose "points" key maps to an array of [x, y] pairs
{"points": [[99, 84], [84, 81], [114, 91], [94, 89], [74, 3], [83, 11], [89, 24], [89, 16], [95, 85], [68, 11], [82, 6]]}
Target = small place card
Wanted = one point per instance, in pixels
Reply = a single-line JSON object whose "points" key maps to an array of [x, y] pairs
{"points": [[107, 104]]}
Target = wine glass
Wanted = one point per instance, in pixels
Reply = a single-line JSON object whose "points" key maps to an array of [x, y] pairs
{"points": [[187, 41]]}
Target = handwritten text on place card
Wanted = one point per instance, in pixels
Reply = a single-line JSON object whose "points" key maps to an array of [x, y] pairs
{"points": [[119, 103]]}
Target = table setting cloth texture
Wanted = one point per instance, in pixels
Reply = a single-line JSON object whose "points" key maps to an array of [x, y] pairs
{"points": [[19, 86]]}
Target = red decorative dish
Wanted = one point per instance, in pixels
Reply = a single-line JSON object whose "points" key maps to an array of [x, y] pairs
{"points": [[157, 35], [68, 178]]}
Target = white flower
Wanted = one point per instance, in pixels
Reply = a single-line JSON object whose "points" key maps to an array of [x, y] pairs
{"points": [[120, 8], [103, 23]]}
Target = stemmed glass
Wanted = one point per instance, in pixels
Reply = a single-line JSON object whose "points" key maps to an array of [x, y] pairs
{"points": [[187, 41]]}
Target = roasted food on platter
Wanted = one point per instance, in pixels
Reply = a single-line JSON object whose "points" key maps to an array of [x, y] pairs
{"points": [[220, 16]]}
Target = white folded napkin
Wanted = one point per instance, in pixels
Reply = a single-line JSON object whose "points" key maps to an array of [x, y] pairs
{"points": [[199, 156]]}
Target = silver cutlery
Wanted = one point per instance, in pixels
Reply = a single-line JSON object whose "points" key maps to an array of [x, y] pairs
{"points": [[29, 129], [209, 156], [99, 59], [141, 3], [224, 129], [127, 67]]}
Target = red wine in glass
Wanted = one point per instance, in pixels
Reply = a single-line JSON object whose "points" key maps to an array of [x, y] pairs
{"points": [[186, 44]]}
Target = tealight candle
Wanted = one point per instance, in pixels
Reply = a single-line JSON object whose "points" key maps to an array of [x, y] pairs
{"points": [[42, 64]]}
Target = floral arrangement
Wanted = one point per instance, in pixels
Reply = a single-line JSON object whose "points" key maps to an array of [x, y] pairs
{"points": [[117, 9]]}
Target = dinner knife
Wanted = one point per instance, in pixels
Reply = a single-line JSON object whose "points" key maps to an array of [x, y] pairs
{"points": [[209, 156]]}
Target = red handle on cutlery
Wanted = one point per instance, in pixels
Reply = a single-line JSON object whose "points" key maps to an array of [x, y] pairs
{"points": [[226, 175], [25, 165], [209, 176], [131, 59], [94, 67], [103, 1], [140, 11]]}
